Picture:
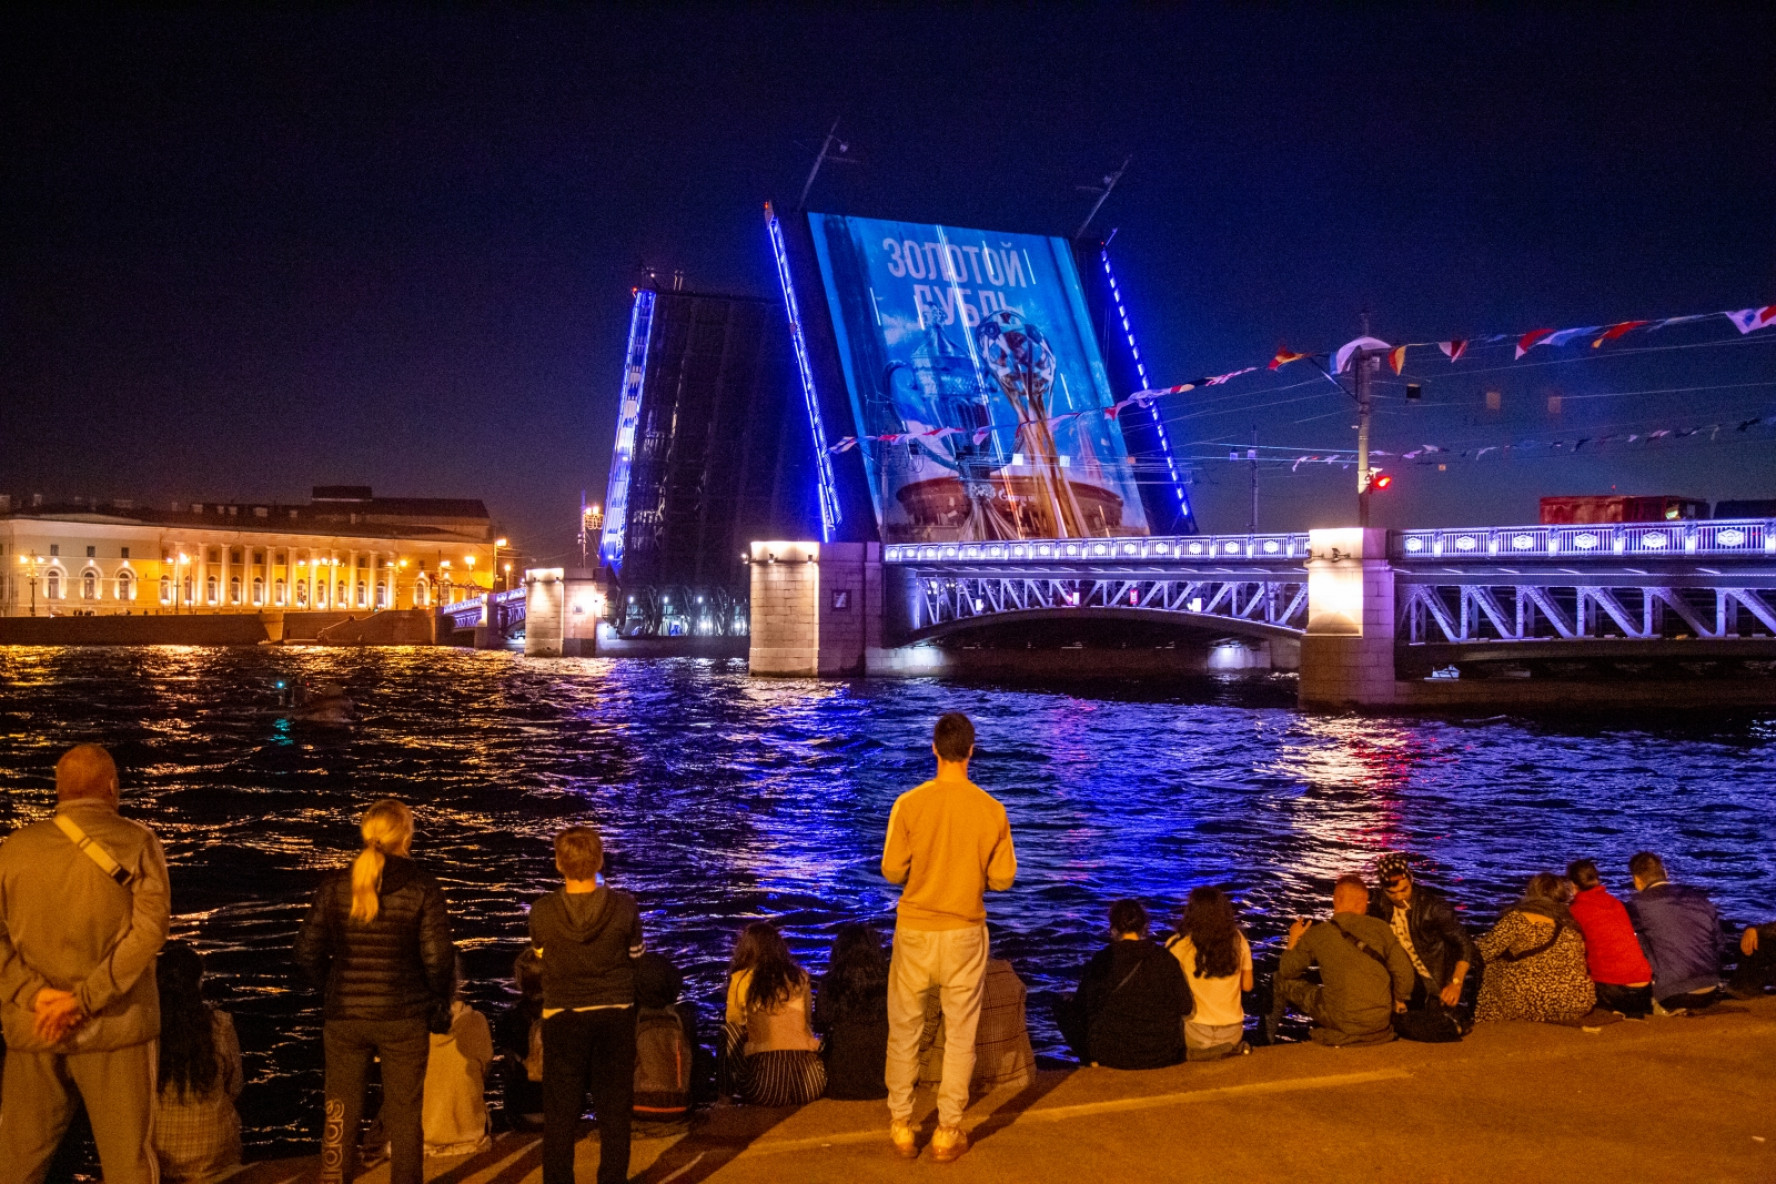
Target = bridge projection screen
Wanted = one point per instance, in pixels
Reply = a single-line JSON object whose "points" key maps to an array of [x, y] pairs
{"points": [[979, 395]]}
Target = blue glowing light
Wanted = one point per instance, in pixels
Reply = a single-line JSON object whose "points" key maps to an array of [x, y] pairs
{"points": [[1165, 445], [829, 495], [616, 497]]}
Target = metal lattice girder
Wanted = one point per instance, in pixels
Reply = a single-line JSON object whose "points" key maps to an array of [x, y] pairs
{"points": [[1278, 605], [1571, 610]]}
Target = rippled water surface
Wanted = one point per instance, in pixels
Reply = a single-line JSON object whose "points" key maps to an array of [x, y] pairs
{"points": [[724, 798]]}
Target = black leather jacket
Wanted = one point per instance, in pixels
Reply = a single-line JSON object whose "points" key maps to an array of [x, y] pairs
{"points": [[1438, 936], [400, 966]]}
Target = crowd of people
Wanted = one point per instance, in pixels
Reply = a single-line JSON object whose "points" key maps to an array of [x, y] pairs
{"points": [[99, 1008]]}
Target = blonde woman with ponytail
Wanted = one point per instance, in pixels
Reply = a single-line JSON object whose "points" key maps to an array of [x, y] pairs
{"points": [[377, 941]]}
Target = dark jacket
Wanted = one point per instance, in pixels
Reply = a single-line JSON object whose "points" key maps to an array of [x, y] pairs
{"points": [[1680, 931], [400, 966], [856, 1049], [1134, 997], [589, 942], [1438, 936]]}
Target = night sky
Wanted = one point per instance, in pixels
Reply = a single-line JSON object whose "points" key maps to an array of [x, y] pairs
{"points": [[247, 253]]}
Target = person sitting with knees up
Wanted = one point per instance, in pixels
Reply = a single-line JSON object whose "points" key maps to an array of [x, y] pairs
{"points": [[1426, 924], [1365, 974], [1613, 957], [1129, 1010], [851, 1011], [1680, 931], [771, 1055], [1217, 963]]}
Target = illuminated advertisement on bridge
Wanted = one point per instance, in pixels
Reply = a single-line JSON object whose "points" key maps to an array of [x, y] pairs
{"points": [[980, 401]]}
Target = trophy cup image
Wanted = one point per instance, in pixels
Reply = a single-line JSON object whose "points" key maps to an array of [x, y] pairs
{"points": [[1018, 357]]}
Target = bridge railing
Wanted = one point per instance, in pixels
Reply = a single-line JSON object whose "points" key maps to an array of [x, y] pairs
{"points": [[1747, 537], [1166, 548]]}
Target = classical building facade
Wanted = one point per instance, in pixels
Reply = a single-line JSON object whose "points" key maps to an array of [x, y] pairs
{"points": [[342, 551]]}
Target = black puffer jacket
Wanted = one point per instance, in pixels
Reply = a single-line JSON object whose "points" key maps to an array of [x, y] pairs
{"points": [[400, 966]]}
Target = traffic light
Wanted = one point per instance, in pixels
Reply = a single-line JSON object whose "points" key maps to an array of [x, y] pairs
{"points": [[1381, 481]]}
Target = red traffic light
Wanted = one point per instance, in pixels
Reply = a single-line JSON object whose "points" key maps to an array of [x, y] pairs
{"points": [[1381, 481]]}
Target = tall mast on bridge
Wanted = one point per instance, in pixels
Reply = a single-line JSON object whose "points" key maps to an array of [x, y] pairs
{"points": [[827, 152]]}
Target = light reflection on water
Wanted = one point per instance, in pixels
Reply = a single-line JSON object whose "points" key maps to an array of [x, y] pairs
{"points": [[724, 798]]}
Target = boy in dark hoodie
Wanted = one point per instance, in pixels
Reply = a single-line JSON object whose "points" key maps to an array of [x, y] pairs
{"points": [[588, 937]]}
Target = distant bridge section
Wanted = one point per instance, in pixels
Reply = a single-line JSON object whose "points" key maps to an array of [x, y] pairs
{"points": [[1252, 585]]}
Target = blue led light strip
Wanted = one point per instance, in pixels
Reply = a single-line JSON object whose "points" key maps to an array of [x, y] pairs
{"points": [[1141, 372], [616, 497], [829, 494]]}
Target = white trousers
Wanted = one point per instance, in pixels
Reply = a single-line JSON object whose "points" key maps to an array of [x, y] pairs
{"points": [[952, 962]]}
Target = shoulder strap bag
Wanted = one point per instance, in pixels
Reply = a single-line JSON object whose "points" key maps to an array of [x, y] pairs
{"points": [[92, 850]]}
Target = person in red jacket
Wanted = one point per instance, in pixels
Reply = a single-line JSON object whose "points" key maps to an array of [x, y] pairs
{"points": [[1613, 955]]}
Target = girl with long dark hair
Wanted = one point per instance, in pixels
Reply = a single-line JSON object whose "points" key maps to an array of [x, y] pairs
{"points": [[196, 1128], [772, 1057], [851, 1011], [1217, 962], [377, 941]]}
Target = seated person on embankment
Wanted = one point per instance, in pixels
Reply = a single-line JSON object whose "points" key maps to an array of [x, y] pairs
{"points": [[1365, 975], [1680, 930], [1535, 961], [851, 1011], [1002, 1052], [771, 1056], [1426, 924], [1129, 1010], [1217, 963], [1757, 962], [1613, 957]]}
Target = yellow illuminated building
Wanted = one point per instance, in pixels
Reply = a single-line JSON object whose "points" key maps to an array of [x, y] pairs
{"points": [[342, 551]]}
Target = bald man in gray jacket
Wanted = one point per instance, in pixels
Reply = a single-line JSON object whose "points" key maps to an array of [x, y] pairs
{"points": [[83, 914]]}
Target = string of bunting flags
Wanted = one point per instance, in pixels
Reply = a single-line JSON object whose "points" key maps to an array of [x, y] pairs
{"points": [[1348, 458], [978, 436], [1746, 320]]}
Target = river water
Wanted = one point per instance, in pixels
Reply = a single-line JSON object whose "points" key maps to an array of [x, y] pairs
{"points": [[724, 798]]}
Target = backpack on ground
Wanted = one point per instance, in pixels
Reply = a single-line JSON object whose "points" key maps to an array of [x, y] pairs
{"points": [[663, 1057]]}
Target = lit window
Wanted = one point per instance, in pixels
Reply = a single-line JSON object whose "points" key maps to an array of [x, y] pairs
{"points": [[89, 585], [126, 586], [166, 589]]}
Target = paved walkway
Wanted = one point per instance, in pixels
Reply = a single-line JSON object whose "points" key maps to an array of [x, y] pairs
{"points": [[1665, 1100]]}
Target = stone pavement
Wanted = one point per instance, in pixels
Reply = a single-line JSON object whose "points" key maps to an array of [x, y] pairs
{"points": [[1681, 1099]]}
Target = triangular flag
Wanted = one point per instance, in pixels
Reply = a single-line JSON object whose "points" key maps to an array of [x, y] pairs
{"points": [[1567, 336], [1284, 356], [981, 434], [845, 444], [1397, 357], [1453, 350], [1115, 409], [1746, 320], [1615, 331], [1530, 340]]}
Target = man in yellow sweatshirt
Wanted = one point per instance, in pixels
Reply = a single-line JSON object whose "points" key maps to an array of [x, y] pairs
{"points": [[948, 842]]}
